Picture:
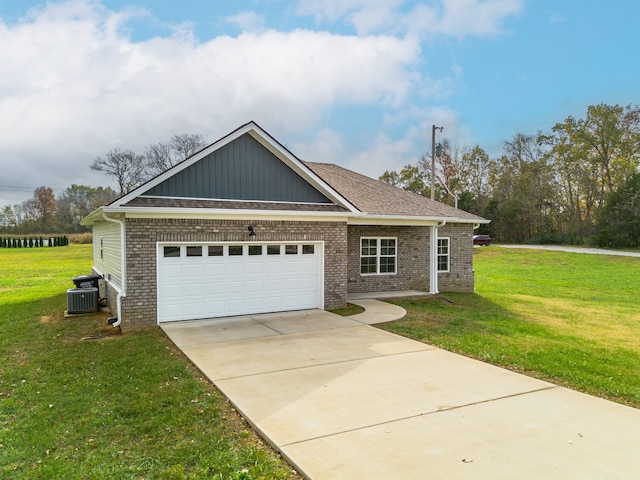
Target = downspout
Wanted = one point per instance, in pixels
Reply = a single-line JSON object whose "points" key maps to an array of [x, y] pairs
{"points": [[433, 261], [123, 267]]}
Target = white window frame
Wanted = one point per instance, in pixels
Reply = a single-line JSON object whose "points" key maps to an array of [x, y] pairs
{"points": [[378, 255], [446, 255]]}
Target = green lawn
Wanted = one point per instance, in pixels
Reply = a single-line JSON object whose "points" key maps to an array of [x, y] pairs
{"points": [[119, 407], [573, 319]]}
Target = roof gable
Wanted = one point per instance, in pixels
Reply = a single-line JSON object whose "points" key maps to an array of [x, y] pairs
{"points": [[250, 171], [240, 170], [247, 165]]}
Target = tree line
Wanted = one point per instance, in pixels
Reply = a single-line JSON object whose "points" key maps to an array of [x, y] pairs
{"points": [[577, 184], [33, 242], [45, 212]]}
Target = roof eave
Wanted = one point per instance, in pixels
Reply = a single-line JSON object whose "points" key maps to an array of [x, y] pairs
{"points": [[366, 219], [181, 212], [350, 217], [92, 217]]}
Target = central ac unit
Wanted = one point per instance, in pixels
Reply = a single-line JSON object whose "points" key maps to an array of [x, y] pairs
{"points": [[82, 300]]}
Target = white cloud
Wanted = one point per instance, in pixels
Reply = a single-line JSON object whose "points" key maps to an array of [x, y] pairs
{"points": [[74, 85], [380, 152], [364, 15], [248, 21], [476, 17], [446, 17]]}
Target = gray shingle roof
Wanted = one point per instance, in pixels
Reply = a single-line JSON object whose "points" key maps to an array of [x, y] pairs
{"points": [[378, 198]]}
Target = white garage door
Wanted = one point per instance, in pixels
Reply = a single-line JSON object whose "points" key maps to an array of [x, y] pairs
{"points": [[220, 280]]}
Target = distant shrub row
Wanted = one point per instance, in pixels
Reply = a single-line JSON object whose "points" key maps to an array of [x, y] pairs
{"points": [[33, 242]]}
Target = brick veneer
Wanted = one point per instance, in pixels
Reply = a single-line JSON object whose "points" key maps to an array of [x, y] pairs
{"points": [[341, 261], [139, 308], [460, 277], [413, 259]]}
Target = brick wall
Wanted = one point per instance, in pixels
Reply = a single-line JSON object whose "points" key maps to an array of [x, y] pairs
{"points": [[413, 259], [139, 308], [460, 277]]}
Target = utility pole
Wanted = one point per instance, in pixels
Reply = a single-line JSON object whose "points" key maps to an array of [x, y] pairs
{"points": [[433, 159]]}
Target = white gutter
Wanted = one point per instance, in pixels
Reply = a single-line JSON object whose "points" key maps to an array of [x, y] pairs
{"points": [[359, 218], [123, 266], [433, 258]]}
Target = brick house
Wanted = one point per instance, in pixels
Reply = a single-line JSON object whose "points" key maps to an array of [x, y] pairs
{"points": [[244, 227]]}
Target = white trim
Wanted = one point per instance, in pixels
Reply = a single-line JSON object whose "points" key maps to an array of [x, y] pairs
{"points": [[404, 220], [379, 255], [433, 257], [298, 215], [237, 214], [448, 255]]}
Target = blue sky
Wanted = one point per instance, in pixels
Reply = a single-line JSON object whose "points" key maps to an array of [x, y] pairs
{"points": [[353, 82]]}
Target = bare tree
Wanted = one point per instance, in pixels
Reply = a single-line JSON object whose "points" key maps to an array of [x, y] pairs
{"points": [[164, 155], [125, 166], [186, 145]]}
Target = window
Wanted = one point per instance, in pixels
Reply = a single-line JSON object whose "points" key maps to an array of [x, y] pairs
{"points": [[378, 256], [255, 249], [216, 250], [235, 250], [291, 249], [307, 249], [102, 249], [171, 252], [273, 249], [443, 254], [194, 251]]}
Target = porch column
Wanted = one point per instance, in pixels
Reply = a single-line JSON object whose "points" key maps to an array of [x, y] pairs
{"points": [[433, 260]]}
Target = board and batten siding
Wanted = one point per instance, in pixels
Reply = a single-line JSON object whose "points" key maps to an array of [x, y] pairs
{"points": [[241, 170], [107, 252]]}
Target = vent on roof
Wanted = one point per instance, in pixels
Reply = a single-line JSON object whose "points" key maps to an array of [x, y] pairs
{"points": [[82, 300]]}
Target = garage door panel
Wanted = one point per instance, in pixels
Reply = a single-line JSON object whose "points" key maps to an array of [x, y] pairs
{"points": [[172, 271], [234, 287], [193, 310], [224, 285], [235, 307], [193, 271], [272, 285], [235, 266]]}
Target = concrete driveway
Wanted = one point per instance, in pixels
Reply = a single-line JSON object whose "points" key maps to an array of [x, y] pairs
{"points": [[343, 400]]}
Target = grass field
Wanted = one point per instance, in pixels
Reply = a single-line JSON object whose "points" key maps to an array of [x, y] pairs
{"points": [[119, 407], [133, 407], [569, 318]]}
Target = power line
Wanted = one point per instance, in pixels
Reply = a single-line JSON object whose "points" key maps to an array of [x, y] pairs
{"points": [[17, 188]]}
